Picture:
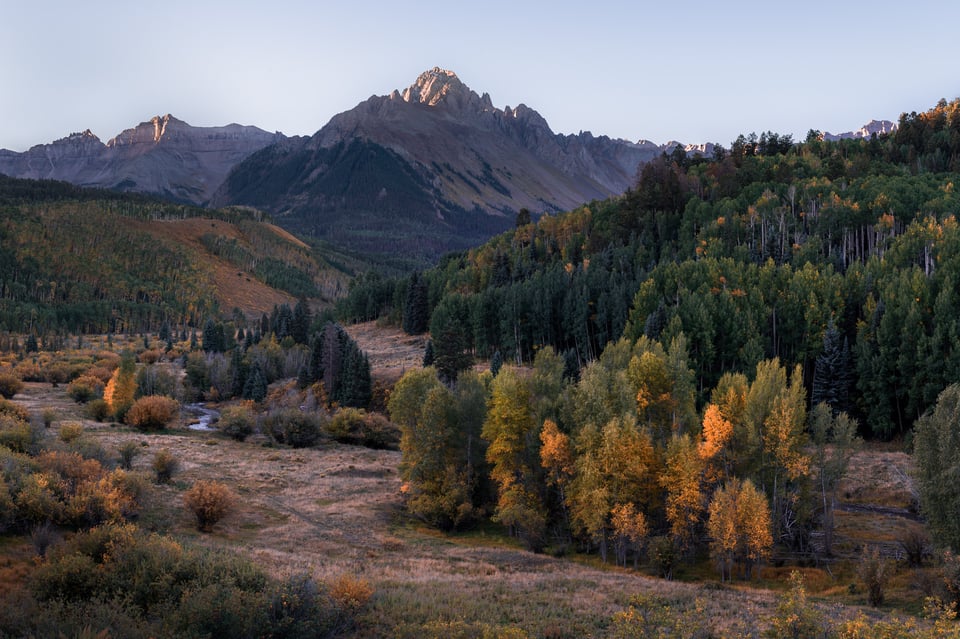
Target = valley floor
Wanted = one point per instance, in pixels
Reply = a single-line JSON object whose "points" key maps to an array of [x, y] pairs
{"points": [[336, 509]]}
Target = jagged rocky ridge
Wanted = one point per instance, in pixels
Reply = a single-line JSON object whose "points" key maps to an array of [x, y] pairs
{"points": [[163, 156], [428, 169]]}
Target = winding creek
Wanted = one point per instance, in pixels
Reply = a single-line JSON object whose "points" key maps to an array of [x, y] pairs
{"points": [[200, 417]]}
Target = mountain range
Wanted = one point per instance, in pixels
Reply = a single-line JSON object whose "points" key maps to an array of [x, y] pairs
{"points": [[414, 173], [163, 156]]}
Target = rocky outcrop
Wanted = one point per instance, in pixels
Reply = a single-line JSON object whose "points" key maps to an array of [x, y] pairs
{"points": [[163, 156], [878, 127]]}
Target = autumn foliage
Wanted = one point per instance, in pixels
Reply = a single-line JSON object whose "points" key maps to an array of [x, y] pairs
{"points": [[209, 501], [153, 412]]}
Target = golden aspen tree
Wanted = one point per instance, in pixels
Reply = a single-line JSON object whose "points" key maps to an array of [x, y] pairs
{"points": [[630, 532], [650, 376], [556, 458], [120, 390], [713, 448], [513, 452], [753, 524], [784, 440], [681, 478], [616, 464], [739, 527], [730, 398], [437, 443], [722, 528]]}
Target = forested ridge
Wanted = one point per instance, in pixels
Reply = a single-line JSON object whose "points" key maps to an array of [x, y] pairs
{"points": [[843, 251], [88, 261]]}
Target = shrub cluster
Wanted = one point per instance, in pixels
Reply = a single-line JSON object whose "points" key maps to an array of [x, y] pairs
{"points": [[236, 422], [63, 488], [293, 427], [153, 412], [86, 388], [357, 426], [115, 580], [10, 384]]}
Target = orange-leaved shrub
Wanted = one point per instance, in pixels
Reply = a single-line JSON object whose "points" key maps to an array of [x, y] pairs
{"points": [[85, 388], [209, 501], [152, 412], [350, 593], [10, 384]]}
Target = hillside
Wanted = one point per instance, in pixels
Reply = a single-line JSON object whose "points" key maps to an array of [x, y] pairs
{"points": [[91, 261], [433, 168]]}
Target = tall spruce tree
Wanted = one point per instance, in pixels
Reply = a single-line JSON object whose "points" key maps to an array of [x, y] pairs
{"points": [[832, 372], [416, 313]]}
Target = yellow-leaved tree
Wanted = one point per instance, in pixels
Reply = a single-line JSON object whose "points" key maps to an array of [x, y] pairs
{"points": [[120, 390], [739, 527], [681, 478], [514, 454]]}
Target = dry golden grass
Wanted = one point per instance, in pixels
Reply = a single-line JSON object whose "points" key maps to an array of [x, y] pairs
{"points": [[391, 351]]}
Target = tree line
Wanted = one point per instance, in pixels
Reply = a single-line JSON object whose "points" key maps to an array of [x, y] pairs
{"points": [[621, 462]]}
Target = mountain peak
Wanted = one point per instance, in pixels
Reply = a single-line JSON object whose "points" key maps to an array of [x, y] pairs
{"points": [[433, 86]]}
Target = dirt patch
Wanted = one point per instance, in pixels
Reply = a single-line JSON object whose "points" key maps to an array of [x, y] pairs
{"points": [[391, 351]]}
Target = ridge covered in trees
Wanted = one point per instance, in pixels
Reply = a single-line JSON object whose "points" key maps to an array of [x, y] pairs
{"points": [[87, 260], [840, 257]]}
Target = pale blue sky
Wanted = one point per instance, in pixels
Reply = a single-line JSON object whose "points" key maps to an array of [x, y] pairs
{"points": [[693, 71]]}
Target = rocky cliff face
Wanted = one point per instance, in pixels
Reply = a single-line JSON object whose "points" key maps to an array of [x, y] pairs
{"points": [[164, 156], [434, 158], [879, 127]]}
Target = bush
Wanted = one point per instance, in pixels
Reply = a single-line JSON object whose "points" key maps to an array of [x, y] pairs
{"points": [[298, 607], [150, 357], [874, 572], [85, 388], [350, 594], [356, 426], [796, 616], [70, 431], [663, 556], [10, 384], [164, 465], [236, 422], [915, 544], [97, 410], [56, 374], [293, 427], [209, 501], [15, 434], [14, 410], [128, 452], [153, 412], [48, 416]]}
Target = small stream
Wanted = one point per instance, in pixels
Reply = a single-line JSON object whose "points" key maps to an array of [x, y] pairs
{"points": [[200, 417]]}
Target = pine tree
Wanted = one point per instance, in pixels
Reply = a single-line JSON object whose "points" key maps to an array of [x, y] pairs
{"points": [[300, 322], [496, 363], [416, 315], [255, 387], [832, 372], [238, 372], [428, 356]]}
